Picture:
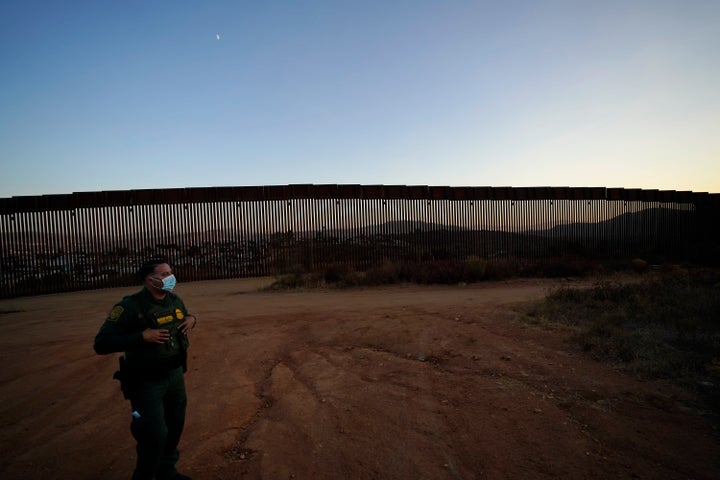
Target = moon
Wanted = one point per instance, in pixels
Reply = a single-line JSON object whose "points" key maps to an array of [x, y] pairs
{"points": [[217, 36]]}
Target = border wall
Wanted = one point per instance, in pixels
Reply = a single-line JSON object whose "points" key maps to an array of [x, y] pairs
{"points": [[88, 240]]}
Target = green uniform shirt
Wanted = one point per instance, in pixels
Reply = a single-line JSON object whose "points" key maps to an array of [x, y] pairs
{"points": [[122, 331]]}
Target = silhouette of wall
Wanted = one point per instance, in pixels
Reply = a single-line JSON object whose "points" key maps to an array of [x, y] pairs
{"points": [[86, 240]]}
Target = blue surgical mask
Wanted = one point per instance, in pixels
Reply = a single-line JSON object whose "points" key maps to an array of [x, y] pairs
{"points": [[168, 283]]}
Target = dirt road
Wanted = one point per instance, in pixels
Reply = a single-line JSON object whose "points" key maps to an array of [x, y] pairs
{"points": [[401, 382]]}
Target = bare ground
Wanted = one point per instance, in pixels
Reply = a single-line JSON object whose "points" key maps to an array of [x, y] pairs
{"points": [[402, 382]]}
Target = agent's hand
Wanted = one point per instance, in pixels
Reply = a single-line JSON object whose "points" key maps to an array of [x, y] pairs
{"points": [[188, 324], [156, 335]]}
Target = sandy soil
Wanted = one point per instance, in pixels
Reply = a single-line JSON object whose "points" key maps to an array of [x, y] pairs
{"points": [[403, 382]]}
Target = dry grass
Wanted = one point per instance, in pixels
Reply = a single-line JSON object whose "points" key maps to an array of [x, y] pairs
{"points": [[666, 326]]}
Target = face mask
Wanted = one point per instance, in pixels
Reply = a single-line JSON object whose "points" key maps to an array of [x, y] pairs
{"points": [[168, 283]]}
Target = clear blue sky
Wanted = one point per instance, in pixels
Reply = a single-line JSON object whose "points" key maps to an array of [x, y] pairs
{"points": [[114, 95]]}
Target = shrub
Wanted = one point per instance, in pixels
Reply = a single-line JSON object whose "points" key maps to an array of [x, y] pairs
{"points": [[475, 268]]}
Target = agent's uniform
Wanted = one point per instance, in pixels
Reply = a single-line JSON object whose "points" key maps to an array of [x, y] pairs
{"points": [[154, 374]]}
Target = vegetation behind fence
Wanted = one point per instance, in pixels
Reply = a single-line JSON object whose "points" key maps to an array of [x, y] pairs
{"points": [[87, 240]]}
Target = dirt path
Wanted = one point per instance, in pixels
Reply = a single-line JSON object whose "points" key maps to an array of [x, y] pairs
{"points": [[401, 382]]}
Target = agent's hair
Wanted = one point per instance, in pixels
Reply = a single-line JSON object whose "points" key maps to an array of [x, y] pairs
{"points": [[149, 267]]}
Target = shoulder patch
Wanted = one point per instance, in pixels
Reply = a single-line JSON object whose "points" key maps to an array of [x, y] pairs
{"points": [[179, 314], [115, 313]]}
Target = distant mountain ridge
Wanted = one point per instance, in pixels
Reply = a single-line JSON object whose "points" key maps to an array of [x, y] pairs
{"points": [[648, 220], [651, 219]]}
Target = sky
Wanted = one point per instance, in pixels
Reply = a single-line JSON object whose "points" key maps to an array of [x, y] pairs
{"points": [[119, 95]]}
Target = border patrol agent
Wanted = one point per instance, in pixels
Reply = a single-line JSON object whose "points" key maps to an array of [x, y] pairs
{"points": [[151, 328]]}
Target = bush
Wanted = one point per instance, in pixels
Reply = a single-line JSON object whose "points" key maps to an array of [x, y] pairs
{"points": [[473, 269]]}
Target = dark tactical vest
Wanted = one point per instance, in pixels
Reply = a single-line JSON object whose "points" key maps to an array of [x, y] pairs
{"points": [[154, 359]]}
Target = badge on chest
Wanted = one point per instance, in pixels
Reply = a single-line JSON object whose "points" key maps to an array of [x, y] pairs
{"points": [[168, 316]]}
